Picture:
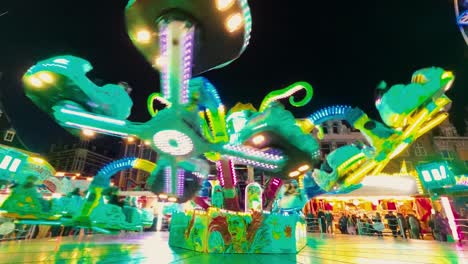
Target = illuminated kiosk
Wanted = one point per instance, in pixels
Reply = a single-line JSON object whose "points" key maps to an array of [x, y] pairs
{"points": [[26, 205], [193, 128], [24, 169]]}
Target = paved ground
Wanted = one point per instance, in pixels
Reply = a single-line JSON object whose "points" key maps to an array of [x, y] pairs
{"points": [[153, 248]]}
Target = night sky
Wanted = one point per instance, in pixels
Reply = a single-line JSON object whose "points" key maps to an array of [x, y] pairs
{"points": [[343, 48]]}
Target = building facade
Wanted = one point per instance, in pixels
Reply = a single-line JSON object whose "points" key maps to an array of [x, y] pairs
{"points": [[82, 157], [133, 179], [7, 131], [442, 143], [337, 134]]}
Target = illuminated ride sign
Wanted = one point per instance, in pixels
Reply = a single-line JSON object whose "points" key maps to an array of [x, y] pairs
{"points": [[436, 175], [461, 180]]}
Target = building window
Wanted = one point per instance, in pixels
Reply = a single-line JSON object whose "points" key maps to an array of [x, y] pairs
{"points": [[325, 148], [325, 129], [419, 149], [450, 132], [340, 144], [442, 145], [336, 128], [447, 155], [9, 135]]}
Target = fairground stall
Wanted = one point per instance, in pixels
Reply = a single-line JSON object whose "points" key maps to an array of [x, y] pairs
{"points": [[447, 185], [398, 193]]}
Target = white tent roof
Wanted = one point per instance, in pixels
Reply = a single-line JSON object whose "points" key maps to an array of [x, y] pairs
{"points": [[137, 193], [383, 185]]}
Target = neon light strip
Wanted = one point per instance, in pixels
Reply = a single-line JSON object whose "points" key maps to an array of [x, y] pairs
{"points": [[432, 123], [187, 65], [6, 160], [105, 131], [253, 163], [219, 167], [356, 177], [336, 111], [168, 179], [419, 119], [233, 173], [94, 117], [247, 22], [344, 197], [451, 219], [292, 89], [350, 161], [198, 174], [180, 182], [14, 165], [398, 150], [254, 152], [163, 53]]}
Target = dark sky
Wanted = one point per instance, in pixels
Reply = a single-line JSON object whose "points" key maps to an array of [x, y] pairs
{"points": [[343, 48]]}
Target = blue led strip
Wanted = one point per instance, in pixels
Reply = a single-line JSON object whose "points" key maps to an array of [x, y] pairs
{"points": [[104, 174], [336, 112], [462, 19]]}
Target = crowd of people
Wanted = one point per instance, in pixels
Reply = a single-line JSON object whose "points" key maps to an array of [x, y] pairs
{"points": [[406, 225]]}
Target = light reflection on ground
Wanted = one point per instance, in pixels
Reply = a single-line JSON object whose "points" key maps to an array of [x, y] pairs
{"points": [[153, 248]]}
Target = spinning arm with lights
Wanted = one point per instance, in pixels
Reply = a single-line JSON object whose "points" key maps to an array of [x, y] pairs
{"points": [[461, 13], [425, 106], [194, 125]]}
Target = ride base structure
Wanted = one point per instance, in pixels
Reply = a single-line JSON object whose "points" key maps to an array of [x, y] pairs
{"points": [[181, 40], [221, 231]]}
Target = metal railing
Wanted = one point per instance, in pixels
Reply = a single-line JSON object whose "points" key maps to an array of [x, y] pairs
{"points": [[21, 232], [314, 225], [383, 228], [462, 228]]}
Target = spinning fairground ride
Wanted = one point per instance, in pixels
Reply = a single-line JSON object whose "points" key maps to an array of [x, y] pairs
{"points": [[461, 13], [182, 39]]}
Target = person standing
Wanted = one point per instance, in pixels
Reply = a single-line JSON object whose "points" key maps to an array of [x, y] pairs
{"points": [[343, 223], [378, 225], [403, 225], [392, 222], [351, 225], [329, 222], [414, 226], [321, 218], [440, 228]]}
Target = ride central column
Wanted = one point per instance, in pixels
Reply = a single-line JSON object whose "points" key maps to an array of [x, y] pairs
{"points": [[176, 51]]}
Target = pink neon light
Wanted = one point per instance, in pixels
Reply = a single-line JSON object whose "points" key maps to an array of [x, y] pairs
{"points": [[233, 173], [219, 167], [450, 217]]}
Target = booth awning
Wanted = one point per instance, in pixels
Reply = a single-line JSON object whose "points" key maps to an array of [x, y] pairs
{"points": [[382, 186], [137, 193]]}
